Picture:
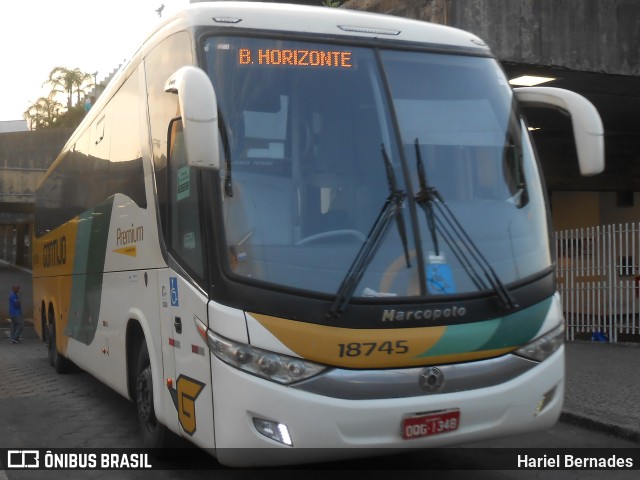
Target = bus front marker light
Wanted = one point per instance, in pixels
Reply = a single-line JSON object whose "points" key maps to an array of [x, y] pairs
{"points": [[269, 364], [217, 347], [243, 355], [272, 366], [544, 346], [273, 430], [296, 369]]}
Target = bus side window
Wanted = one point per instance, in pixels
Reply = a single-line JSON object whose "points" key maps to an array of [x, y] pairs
{"points": [[185, 237]]}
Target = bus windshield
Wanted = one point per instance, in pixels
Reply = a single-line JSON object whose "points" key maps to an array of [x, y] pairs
{"points": [[402, 173]]}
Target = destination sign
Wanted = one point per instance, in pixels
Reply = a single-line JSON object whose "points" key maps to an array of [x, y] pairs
{"points": [[295, 57]]}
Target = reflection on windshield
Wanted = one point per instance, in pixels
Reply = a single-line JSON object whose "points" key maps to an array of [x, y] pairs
{"points": [[391, 210], [442, 222], [309, 179]]}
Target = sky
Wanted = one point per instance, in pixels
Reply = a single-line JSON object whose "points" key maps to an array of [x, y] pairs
{"points": [[92, 35]]}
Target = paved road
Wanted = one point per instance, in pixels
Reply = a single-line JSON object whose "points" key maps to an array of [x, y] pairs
{"points": [[40, 409], [603, 387]]}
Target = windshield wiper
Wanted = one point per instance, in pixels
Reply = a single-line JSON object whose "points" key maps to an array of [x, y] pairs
{"points": [[441, 220], [425, 198], [392, 209], [393, 191]]}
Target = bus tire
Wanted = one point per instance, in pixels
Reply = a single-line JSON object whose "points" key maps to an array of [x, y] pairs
{"points": [[154, 434], [43, 325], [56, 360], [50, 347]]}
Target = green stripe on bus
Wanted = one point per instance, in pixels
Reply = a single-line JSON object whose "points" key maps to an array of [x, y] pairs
{"points": [[505, 332], [88, 266], [519, 328]]}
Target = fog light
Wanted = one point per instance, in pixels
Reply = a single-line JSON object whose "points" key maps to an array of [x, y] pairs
{"points": [[273, 430]]}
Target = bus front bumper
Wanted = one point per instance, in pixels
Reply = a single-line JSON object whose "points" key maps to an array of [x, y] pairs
{"points": [[323, 428]]}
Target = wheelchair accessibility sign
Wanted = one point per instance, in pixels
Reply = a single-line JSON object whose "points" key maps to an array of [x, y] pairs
{"points": [[440, 279], [173, 286]]}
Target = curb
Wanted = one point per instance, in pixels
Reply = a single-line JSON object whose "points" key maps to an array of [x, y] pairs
{"points": [[17, 267], [7, 321], [619, 431]]}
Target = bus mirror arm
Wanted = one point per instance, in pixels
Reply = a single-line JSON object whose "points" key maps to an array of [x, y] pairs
{"points": [[587, 125], [199, 112]]}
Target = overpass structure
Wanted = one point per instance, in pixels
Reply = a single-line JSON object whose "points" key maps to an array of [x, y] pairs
{"points": [[24, 158], [588, 46]]}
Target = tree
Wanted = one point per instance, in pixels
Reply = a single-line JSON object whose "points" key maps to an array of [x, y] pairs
{"points": [[47, 112], [67, 81], [72, 117], [42, 113]]}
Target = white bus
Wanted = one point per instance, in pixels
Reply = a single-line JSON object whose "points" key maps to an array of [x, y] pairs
{"points": [[311, 229]]}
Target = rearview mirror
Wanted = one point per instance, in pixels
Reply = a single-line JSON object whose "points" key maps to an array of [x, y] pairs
{"points": [[587, 125], [199, 112]]}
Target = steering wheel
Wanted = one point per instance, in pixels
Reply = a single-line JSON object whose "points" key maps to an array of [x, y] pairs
{"points": [[332, 233]]}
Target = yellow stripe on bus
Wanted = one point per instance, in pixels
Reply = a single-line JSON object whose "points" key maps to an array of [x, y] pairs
{"points": [[131, 250], [53, 261], [354, 348]]}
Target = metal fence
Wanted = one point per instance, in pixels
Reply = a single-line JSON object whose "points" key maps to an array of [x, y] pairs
{"points": [[598, 270]]}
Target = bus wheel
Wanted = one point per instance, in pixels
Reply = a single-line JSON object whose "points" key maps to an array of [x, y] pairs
{"points": [[57, 361], [154, 434], [43, 325], [50, 346]]}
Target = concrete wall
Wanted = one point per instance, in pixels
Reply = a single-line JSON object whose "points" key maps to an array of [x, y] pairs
{"points": [[430, 10], [612, 213], [575, 209], [24, 157], [584, 35], [584, 209]]}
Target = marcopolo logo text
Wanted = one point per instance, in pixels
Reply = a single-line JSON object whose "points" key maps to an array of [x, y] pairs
{"points": [[393, 315]]}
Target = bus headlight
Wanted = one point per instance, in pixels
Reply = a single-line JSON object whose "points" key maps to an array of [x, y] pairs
{"points": [[544, 346], [269, 365]]}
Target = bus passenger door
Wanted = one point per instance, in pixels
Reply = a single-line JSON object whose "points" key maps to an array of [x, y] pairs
{"points": [[167, 338], [191, 385]]}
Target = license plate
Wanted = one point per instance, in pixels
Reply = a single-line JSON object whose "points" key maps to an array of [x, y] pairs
{"points": [[432, 423]]}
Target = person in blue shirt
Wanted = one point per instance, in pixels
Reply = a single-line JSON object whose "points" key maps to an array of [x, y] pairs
{"points": [[15, 312]]}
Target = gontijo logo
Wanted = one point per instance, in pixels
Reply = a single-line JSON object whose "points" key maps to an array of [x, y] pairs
{"points": [[54, 252]]}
